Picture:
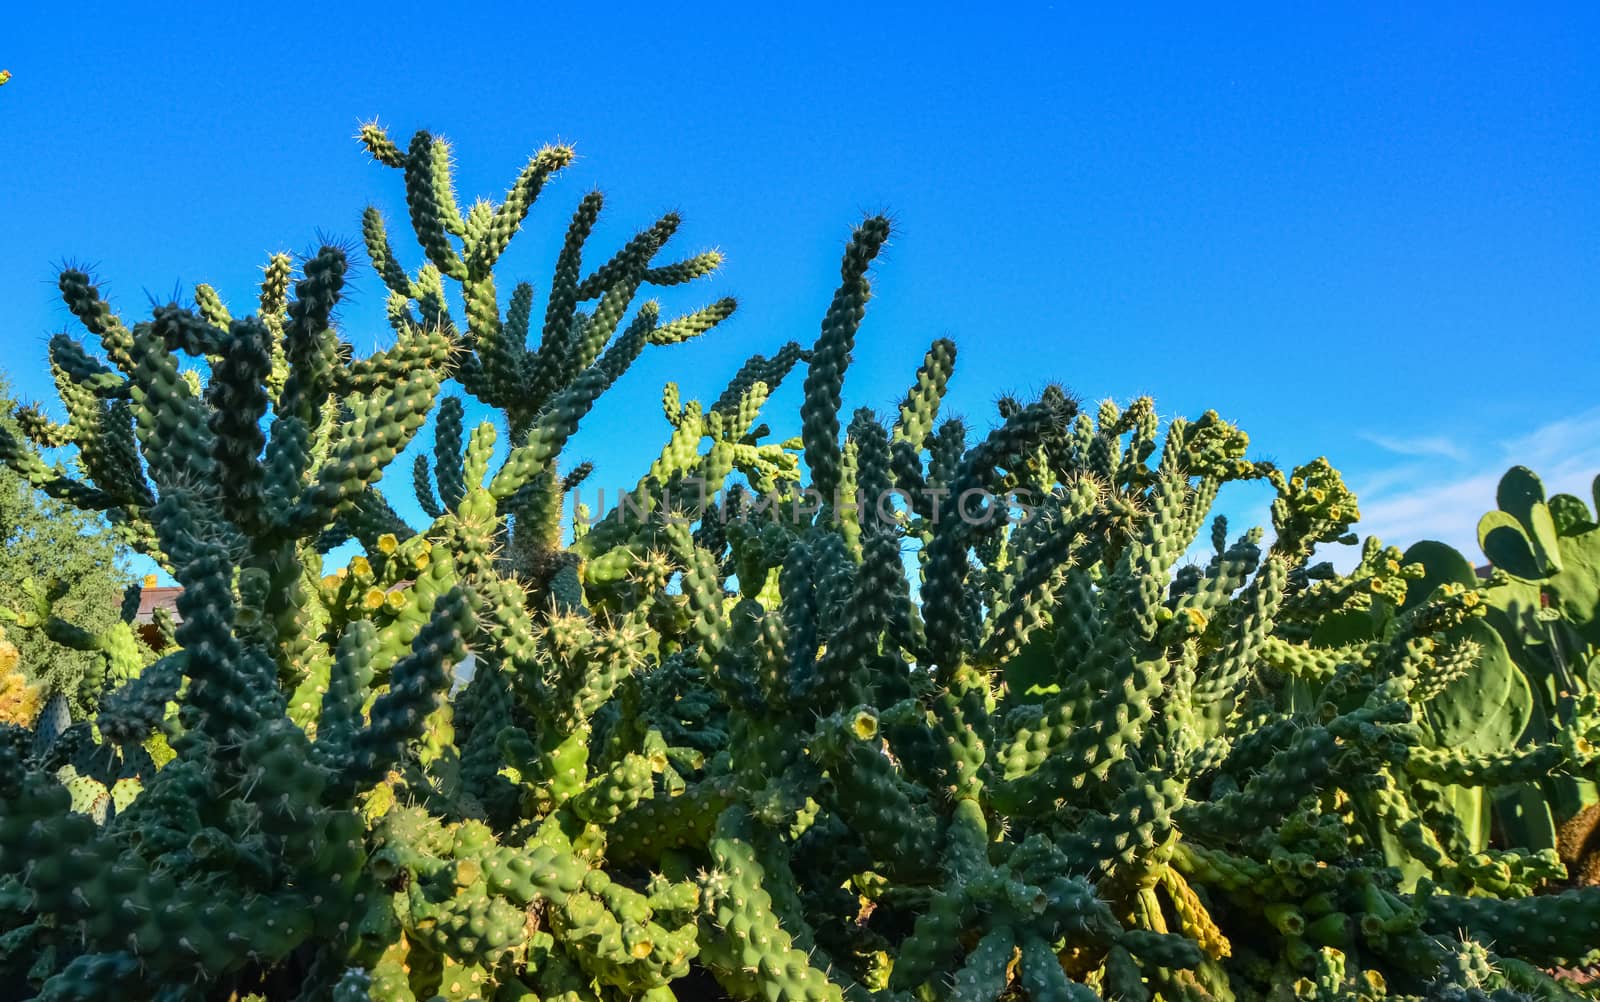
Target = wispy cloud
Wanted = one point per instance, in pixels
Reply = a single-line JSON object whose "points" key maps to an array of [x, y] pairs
{"points": [[1402, 506], [1432, 445]]}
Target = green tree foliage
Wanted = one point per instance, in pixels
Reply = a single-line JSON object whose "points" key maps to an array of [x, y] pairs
{"points": [[69, 554]]}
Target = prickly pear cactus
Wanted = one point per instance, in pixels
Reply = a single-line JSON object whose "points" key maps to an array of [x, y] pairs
{"points": [[1542, 598]]}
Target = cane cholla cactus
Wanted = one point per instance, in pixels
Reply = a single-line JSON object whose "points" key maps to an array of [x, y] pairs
{"points": [[300, 698], [904, 710]]}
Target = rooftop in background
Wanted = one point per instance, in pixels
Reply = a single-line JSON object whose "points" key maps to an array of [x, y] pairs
{"points": [[151, 599]]}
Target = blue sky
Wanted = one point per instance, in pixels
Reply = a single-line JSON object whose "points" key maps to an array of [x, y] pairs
{"points": [[1359, 233]]}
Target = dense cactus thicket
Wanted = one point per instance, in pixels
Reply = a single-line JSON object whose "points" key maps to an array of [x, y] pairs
{"points": [[898, 708]]}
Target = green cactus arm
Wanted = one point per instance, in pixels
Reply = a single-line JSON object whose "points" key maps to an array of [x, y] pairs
{"points": [[608, 313], [1463, 768], [75, 371], [1161, 949], [130, 714], [1043, 979], [414, 350], [229, 689], [1139, 820], [443, 185], [448, 443], [546, 364], [422, 486], [819, 413], [621, 353], [920, 408], [501, 347], [433, 211], [519, 199], [375, 138], [174, 435], [368, 520], [238, 399], [1274, 791], [870, 796], [53, 481], [310, 351], [617, 790], [95, 975], [984, 973], [1399, 816], [183, 330], [383, 425], [82, 297], [1229, 571], [1313, 664], [39, 429], [1110, 726], [752, 954], [656, 825], [682, 449], [1035, 589], [295, 611], [759, 369], [692, 325], [111, 457], [1555, 929], [376, 238], [273, 296], [634, 254], [1222, 676], [416, 682], [947, 564], [339, 710], [561, 418], [686, 270]]}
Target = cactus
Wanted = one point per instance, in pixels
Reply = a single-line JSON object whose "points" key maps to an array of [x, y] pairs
{"points": [[1542, 599], [821, 717]]}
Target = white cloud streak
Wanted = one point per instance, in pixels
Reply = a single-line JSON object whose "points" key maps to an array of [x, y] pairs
{"points": [[1564, 453], [1432, 445]]}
